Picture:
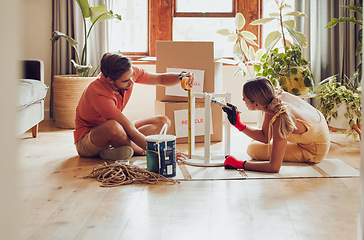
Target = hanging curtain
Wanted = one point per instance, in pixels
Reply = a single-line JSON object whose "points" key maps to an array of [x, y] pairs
{"points": [[67, 18], [62, 21], [98, 39], [331, 51]]}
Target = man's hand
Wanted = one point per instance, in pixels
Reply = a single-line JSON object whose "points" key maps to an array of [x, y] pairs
{"points": [[234, 116], [187, 79]]}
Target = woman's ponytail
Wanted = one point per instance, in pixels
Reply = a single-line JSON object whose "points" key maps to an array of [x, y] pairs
{"points": [[286, 122]]}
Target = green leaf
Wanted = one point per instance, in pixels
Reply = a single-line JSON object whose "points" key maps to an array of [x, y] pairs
{"points": [[262, 21], [238, 53], [232, 38], [286, 4], [251, 53], [274, 14], [354, 8], [244, 47], [257, 68], [247, 34], [332, 23], [85, 8], [259, 54], [225, 32], [303, 38], [251, 42], [239, 21], [57, 35], [100, 13], [294, 35], [335, 21], [295, 13], [290, 23], [359, 48], [81, 69], [271, 37]]}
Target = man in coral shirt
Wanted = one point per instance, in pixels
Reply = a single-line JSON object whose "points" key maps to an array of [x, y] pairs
{"points": [[101, 127]]}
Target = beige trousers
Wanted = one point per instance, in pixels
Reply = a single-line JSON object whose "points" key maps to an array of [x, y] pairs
{"points": [[311, 146]]}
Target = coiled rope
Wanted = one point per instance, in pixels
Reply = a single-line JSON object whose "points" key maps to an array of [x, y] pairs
{"points": [[117, 174]]}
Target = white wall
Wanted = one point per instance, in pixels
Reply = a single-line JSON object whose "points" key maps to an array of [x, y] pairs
{"points": [[9, 68], [36, 35]]}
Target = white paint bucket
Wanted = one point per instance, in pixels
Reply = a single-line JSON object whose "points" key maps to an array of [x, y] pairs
{"points": [[161, 153]]}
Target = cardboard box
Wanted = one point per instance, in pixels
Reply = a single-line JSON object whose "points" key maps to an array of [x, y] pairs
{"points": [[168, 109], [188, 55]]}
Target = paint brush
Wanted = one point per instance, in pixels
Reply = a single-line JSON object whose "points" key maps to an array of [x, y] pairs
{"points": [[222, 104]]}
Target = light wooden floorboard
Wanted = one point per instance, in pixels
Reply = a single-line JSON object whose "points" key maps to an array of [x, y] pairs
{"points": [[59, 204]]}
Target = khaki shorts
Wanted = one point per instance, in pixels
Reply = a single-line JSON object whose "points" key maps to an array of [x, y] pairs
{"points": [[86, 148]]}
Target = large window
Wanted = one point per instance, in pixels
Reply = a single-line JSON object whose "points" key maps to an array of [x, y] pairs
{"points": [[131, 34], [199, 20], [147, 21]]}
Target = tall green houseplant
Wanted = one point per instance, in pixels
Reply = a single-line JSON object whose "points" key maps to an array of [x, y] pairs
{"points": [[285, 67], [91, 16], [243, 50]]}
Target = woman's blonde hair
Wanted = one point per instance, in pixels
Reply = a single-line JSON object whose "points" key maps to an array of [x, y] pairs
{"points": [[262, 91]]}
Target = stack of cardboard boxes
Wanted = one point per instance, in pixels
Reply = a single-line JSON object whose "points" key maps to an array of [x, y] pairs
{"points": [[199, 58]]}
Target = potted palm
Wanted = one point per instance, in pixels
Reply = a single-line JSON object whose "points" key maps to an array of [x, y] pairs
{"points": [[339, 98], [285, 67], [67, 89]]}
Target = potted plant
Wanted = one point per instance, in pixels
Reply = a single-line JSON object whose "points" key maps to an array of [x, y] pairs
{"points": [[67, 89], [341, 104], [243, 50], [339, 98], [285, 67]]}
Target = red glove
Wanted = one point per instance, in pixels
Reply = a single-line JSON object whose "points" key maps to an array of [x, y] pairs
{"points": [[234, 117], [233, 163]]}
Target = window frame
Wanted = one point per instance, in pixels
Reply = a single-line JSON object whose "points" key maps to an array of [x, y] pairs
{"points": [[162, 12], [204, 14]]}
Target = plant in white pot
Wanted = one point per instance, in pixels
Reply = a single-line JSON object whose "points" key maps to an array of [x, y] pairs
{"points": [[339, 98], [285, 67], [341, 104], [243, 50], [67, 89]]}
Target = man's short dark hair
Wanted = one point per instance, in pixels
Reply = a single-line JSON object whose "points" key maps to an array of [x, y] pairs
{"points": [[114, 65]]}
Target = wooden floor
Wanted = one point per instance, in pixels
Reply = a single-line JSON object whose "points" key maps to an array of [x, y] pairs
{"points": [[59, 204]]}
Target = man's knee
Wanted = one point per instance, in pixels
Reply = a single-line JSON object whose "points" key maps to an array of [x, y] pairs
{"points": [[163, 120], [114, 128]]}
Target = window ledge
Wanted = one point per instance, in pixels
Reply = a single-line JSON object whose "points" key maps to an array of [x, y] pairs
{"points": [[146, 60]]}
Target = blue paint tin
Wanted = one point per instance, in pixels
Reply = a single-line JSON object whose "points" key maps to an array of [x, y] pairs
{"points": [[161, 154]]}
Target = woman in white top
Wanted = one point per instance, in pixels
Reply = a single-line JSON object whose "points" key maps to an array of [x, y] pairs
{"points": [[292, 129]]}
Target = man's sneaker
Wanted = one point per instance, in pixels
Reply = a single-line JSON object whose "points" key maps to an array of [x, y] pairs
{"points": [[117, 153]]}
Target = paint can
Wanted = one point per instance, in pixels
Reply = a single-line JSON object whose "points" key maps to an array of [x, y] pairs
{"points": [[161, 153]]}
